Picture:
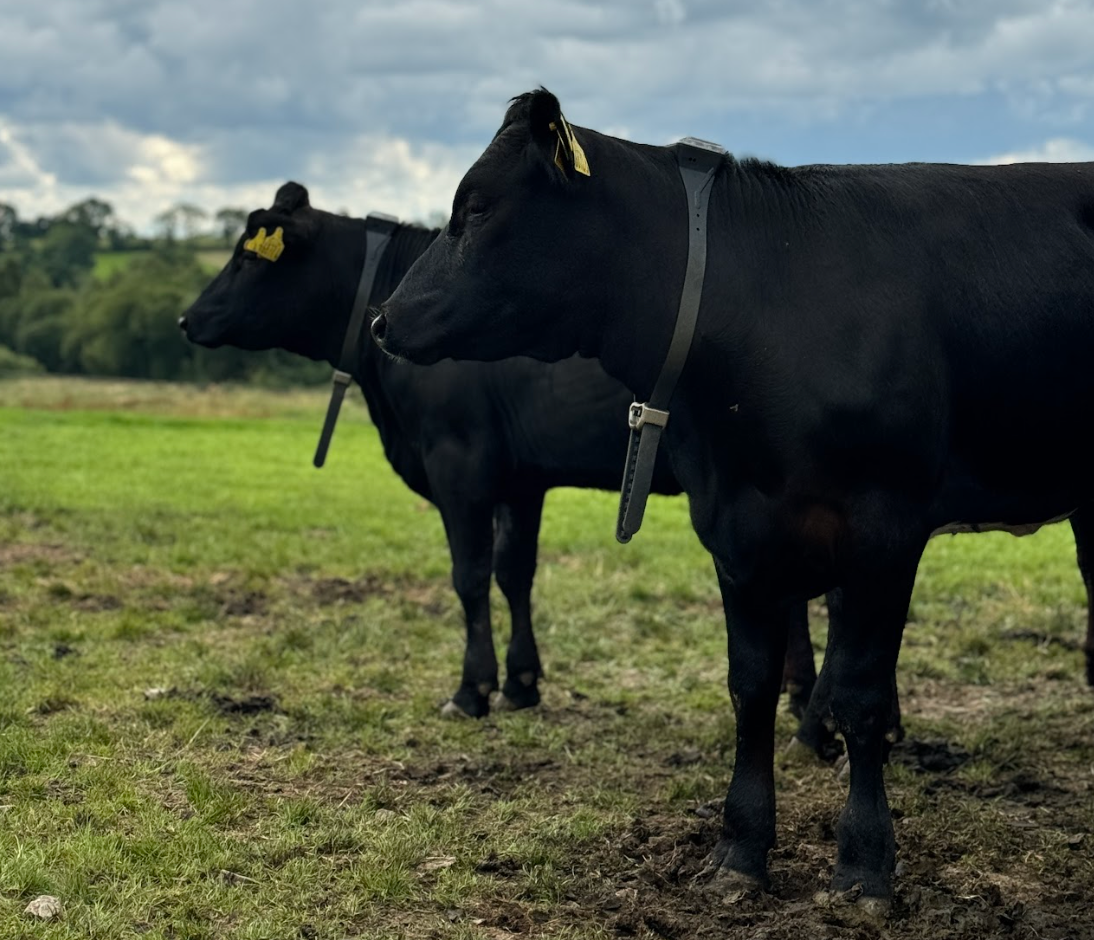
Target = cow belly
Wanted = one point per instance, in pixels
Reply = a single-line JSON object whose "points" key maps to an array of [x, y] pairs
{"points": [[1026, 528]]}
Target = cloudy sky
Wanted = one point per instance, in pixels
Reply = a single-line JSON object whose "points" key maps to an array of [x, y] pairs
{"points": [[383, 105]]}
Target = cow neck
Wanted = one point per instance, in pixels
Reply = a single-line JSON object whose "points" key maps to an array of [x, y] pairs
{"points": [[698, 162], [379, 228], [385, 262]]}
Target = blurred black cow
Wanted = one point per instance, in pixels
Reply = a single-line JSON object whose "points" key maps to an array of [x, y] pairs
{"points": [[482, 441]]}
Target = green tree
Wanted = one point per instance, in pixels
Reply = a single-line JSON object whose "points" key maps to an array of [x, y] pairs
{"points": [[39, 318], [9, 219], [183, 215], [12, 364], [92, 213], [67, 252], [231, 221], [129, 325]]}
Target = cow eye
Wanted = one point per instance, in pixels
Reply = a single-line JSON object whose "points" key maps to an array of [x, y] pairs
{"points": [[475, 205]]}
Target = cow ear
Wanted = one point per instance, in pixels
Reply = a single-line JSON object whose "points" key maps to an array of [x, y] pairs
{"points": [[290, 197], [554, 136]]}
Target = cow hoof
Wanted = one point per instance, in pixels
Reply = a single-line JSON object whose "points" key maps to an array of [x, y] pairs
{"points": [[467, 703], [799, 754], [519, 694], [451, 710], [862, 907], [734, 886], [874, 908], [843, 768], [731, 883], [798, 696]]}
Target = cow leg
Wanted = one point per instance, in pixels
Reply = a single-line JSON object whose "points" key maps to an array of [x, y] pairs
{"points": [[757, 636], [864, 641], [470, 529], [1082, 524], [800, 670], [515, 543], [817, 729]]}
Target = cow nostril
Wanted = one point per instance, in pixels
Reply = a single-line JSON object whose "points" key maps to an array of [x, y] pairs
{"points": [[182, 323], [379, 328]]}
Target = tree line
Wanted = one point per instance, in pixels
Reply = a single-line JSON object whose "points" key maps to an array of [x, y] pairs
{"points": [[57, 316]]}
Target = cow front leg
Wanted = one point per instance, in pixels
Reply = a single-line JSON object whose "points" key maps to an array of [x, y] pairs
{"points": [[757, 636], [865, 632], [515, 543], [1082, 524], [800, 670], [469, 526]]}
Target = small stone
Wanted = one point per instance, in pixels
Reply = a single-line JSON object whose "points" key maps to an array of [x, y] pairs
{"points": [[44, 907], [384, 815], [1075, 841], [437, 862]]}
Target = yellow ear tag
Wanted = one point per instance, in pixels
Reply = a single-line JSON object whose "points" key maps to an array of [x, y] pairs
{"points": [[266, 246], [567, 143]]}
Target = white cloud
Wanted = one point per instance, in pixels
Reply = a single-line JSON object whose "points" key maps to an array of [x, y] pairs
{"points": [[1056, 150], [383, 105], [152, 172]]}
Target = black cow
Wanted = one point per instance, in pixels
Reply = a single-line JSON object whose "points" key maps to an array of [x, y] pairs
{"points": [[483, 442], [881, 352]]}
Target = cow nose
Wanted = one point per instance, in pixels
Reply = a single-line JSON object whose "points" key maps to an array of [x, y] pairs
{"points": [[182, 322], [379, 328]]}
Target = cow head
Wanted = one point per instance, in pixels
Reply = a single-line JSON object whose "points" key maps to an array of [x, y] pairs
{"points": [[539, 246], [289, 274]]}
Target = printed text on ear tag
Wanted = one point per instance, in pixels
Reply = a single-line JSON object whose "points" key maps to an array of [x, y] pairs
{"points": [[266, 246]]}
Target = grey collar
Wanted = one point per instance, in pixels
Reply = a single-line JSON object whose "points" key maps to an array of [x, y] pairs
{"points": [[698, 161], [379, 227]]}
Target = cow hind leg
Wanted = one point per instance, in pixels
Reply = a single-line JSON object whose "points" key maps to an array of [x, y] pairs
{"points": [[515, 545], [1082, 524], [469, 526], [800, 670], [864, 640], [817, 729]]}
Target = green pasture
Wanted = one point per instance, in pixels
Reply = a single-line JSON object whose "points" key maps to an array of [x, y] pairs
{"points": [[221, 672]]}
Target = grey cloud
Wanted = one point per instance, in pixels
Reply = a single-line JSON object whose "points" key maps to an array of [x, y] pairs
{"points": [[268, 89]]}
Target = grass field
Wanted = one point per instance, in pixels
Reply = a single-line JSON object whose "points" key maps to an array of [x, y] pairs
{"points": [[108, 262], [220, 679]]}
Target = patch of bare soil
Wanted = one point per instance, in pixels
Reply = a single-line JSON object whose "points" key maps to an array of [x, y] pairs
{"points": [[235, 602], [644, 881], [49, 553], [431, 595], [247, 705]]}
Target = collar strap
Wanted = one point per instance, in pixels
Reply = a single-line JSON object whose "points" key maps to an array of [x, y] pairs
{"points": [[698, 162], [379, 227]]}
